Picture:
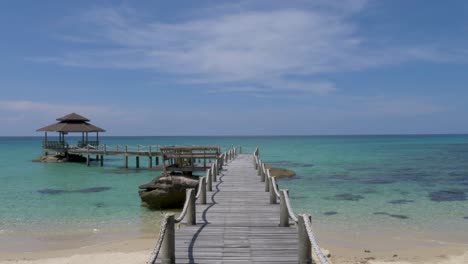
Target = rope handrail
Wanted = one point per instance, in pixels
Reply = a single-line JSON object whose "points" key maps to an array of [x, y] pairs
{"points": [[184, 210], [157, 247], [202, 181], [313, 242], [291, 213], [273, 182]]}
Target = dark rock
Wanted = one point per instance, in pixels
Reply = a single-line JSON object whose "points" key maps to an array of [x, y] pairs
{"points": [[367, 251], [381, 213], [92, 190], [466, 217], [330, 213], [392, 215], [286, 163], [447, 196], [280, 172], [401, 201], [346, 197], [51, 191], [398, 216], [166, 192], [86, 190], [60, 158]]}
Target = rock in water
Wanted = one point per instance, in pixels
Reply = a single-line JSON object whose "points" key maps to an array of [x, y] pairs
{"points": [[280, 172], [166, 192]]}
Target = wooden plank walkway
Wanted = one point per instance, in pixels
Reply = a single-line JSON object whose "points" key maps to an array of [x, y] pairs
{"points": [[238, 224]]}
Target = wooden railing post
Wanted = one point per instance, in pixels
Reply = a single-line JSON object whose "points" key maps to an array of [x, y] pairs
{"points": [[305, 251], [272, 192], [203, 190], [191, 209], [209, 186], [262, 172], [168, 243], [213, 171], [150, 158], [284, 215], [87, 156], [259, 168], [126, 156], [267, 184], [221, 162]]}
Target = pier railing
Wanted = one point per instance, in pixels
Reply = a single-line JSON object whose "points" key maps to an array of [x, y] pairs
{"points": [[165, 245], [306, 237]]}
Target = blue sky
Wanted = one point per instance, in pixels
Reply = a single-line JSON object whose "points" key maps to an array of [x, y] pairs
{"points": [[244, 68]]}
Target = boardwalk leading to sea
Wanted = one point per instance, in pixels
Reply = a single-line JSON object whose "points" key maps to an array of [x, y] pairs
{"points": [[235, 218], [238, 224]]}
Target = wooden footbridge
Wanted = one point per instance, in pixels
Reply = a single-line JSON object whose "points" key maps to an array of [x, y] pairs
{"points": [[173, 158], [235, 218]]}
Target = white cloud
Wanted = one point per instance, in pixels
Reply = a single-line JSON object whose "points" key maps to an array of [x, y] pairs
{"points": [[259, 48]]}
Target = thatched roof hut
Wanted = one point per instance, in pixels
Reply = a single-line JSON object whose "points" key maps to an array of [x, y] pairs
{"points": [[71, 123]]}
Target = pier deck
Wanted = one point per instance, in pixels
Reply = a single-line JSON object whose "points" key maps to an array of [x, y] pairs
{"points": [[238, 224]]}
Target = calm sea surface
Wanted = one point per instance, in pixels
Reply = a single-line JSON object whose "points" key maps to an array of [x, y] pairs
{"points": [[400, 184]]}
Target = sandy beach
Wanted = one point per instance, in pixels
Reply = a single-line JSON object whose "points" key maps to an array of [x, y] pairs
{"points": [[137, 251]]}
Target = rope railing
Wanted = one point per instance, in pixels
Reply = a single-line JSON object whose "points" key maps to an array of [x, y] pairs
{"points": [[157, 247], [313, 241], [186, 206], [273, 182], [291, 213], [286, 212]]}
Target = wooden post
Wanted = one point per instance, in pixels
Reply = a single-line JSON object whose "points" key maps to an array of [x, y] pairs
{"points": [[203, 190], [213, 171], [168, 243], [150, 162], [305, 251], [191, 209], [87, 156], [102, 160], [209, 186], [259, 168], [263, 174], [157, 161], [267, 184], [137, 160], [284, 215], [204, 159], [272, 192], [126, 157]]}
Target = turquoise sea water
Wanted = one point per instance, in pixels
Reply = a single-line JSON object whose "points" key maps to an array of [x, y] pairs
{"points": [[400, 184]]}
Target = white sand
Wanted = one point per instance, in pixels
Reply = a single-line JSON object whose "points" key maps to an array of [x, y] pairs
{"points": [[113, 257], [142, 256]]}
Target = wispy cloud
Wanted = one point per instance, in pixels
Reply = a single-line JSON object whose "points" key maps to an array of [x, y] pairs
{"points": [[258, 48]]}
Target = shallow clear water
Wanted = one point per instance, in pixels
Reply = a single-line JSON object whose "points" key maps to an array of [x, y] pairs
{"points": [[400, 184]]}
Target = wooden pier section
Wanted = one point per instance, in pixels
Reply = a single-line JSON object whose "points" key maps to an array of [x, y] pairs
{"points": [[239, 221]]}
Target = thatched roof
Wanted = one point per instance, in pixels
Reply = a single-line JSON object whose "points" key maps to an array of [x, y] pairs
{"points": [[73, 117], [72, 123]]}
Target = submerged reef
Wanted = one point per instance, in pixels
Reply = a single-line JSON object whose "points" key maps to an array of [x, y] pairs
{"points": [[447, 195], [61, 191]]}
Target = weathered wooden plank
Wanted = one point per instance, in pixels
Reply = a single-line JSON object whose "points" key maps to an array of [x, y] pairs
{"points": [[238, 224]]}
